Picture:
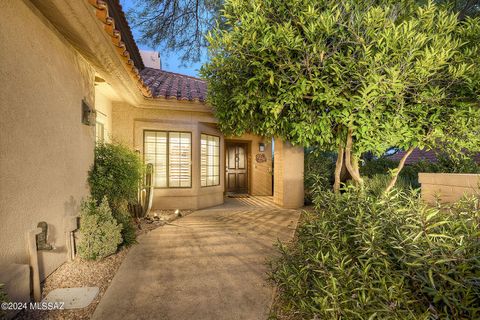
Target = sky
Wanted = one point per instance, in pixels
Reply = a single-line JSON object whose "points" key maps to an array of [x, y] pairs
{"points": [[170, 61]]}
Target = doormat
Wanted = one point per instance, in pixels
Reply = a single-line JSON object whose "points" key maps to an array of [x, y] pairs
{"points": [[72, 298], [238, 196]]}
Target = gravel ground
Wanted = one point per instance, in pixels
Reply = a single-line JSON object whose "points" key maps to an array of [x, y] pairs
{"points": [[84, 273]]}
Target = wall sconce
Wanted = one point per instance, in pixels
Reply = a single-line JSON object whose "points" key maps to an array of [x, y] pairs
{"points": [[89, 115], [261, 147]]}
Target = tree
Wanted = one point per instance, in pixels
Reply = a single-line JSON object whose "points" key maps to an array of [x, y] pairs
{"points": [[178, 25], [181, 25], [347, 76]]}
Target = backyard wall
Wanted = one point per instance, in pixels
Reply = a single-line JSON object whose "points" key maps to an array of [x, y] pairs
{"points": [[448, 187], [288, 172], [46, 151]]}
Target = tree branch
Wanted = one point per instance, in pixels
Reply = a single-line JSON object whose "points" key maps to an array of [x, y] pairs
{"points": [[396, 172], [338, 168]]}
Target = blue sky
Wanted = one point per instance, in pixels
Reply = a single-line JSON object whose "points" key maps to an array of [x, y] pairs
{"points": [[170, 61]]}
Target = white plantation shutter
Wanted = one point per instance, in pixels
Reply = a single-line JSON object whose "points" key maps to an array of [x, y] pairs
{"points": [[210, 160], [170, 154]]}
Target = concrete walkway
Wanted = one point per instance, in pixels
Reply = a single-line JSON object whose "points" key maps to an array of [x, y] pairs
{"points": [[209, 265]]}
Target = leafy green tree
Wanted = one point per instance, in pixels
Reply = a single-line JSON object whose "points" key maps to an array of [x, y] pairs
{"points": [[179, 26], [176, 25], [351, 76]]}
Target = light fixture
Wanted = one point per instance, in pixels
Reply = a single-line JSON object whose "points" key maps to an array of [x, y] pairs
{"points": [[261, 147], [89, 114]]}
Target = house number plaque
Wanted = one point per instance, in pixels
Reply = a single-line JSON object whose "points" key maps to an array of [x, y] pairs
{"points": [[260, 158]]}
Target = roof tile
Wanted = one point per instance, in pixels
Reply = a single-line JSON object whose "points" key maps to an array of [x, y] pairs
{"points": [[172, 85]]}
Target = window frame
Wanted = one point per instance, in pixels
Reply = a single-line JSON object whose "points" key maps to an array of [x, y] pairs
{"points": [[168, 156], [97, 138], [219, 160]]}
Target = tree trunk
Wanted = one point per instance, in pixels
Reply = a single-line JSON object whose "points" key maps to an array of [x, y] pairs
{"points": [[396, 172], [355, 165], [354, 172], [338, 169]]}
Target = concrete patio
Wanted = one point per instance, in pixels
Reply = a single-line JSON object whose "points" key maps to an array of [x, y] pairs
{"points": [[208, 265]]}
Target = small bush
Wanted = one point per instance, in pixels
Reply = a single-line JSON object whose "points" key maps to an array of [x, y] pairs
{"points": [[361, 256], [124, 218], [100, 232], [116, 174]]}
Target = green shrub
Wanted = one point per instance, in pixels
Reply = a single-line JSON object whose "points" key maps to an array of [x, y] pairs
{"points": [[100, 232], [445, 163], [361, 256], [123, 217], [376, 166], [116, 174], [3, 298], [319, 171], [377, 183]]}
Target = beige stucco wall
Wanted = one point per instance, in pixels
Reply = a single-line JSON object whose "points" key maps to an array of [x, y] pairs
{"points": [[45, 149], [103, 106], [448, 187], [128, 126], [288, 173]]}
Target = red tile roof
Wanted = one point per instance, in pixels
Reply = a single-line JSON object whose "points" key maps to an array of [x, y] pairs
{"points": [[418, 155], [172, 85], [116, 38]]}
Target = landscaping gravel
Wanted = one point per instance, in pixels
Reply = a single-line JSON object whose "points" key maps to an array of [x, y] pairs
{"points": [[85, 273]]}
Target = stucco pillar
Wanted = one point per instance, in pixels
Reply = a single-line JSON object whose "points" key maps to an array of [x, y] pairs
{"points": [[288, 175]]}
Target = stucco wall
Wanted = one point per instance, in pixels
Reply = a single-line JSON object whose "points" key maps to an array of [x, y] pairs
{"points": [[130, 122], [448, 187], [45, 149], [288, 173], [128, 126], [103, 106]]}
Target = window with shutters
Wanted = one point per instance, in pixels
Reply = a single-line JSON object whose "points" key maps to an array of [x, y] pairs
{"points": [[210, 160], [170, 152]]}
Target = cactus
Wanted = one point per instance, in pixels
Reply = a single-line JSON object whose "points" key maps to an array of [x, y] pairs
{"points": [[143, 205]]}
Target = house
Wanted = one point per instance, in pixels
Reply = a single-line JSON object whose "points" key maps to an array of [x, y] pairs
{"points": [[418, 155], [72, 74]]}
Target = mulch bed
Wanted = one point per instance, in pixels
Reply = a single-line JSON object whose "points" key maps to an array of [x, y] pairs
{"points": [[85, 273]]}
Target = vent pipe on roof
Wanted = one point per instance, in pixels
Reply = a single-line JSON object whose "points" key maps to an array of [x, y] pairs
{"points": [[151, 59]]}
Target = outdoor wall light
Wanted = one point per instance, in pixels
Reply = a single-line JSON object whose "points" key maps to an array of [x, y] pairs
{"points": [[261, 147], [89, 114]]}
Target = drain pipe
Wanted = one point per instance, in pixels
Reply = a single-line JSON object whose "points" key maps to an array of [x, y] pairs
{"points": [[32, 253]]}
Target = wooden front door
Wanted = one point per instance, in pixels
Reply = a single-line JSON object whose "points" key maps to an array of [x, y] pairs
{"points": [[237, 168]]}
